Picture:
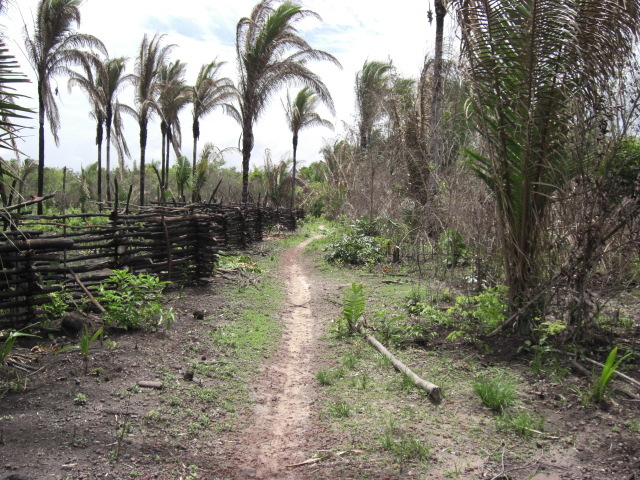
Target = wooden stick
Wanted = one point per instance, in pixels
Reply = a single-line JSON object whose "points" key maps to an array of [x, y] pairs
{"points": [[93, 300], [429, 387], [30, 202]]}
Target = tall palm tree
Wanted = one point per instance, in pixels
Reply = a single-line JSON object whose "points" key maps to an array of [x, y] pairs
{"points": [[151, 56], [271, 53], [173, 96], [372, 88], [51, 49], [102, 83], [531, 65], [209, 92], [301, 113]]}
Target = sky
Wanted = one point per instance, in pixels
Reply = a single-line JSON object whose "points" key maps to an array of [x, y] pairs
{"points": [[354, 31]]}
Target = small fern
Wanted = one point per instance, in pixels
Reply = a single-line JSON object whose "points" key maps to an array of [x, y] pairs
{"points": [[354, 304]]}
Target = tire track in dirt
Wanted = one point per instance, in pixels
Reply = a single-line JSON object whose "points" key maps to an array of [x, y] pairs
{"points": [[285, 394]]}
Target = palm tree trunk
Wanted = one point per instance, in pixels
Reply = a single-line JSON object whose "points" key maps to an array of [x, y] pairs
{"points": [[436, 100], [196, 135], [99, 133], [247, 146], [107, 173], [143, 147], [41, 116], [293, 181]]}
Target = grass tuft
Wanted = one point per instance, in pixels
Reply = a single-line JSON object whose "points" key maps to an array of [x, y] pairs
{"points": [[498, 392]]}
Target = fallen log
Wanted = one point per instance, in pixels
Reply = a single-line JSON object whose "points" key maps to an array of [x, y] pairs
{"points": [[429, 387]]}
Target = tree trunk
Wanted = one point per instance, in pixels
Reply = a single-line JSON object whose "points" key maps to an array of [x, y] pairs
{"points": [[293, 182], [108, 170], [196, 135], [41, 116], [99, 135], [143, 147], [435, 140], [247, 146]]}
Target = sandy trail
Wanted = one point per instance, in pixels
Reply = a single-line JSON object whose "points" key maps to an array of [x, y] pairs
{"points": [[285, 391]]}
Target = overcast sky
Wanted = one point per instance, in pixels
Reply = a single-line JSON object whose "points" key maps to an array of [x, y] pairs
{"points": [[202, 30]]}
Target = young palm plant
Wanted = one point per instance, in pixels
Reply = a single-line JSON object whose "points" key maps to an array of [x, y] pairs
{"points": [[270, 54], [531, 65]]}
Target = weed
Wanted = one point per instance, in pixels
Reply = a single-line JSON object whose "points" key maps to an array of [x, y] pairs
{"points": [[80, 399], [405, 447], [340, 409], [407, 382], [497, 392], [363, 381], [634, 424], [324, 377], [523, 422], [349, 361]]}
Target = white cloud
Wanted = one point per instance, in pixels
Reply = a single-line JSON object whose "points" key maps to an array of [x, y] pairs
{"points": [[202, 30]]}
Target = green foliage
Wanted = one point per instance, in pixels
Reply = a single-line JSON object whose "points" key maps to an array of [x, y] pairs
{"points": [[352, 310], [7, 346], [80, 399], [600, 387], [488, 308], [355, 249], [451, 245], [497, 392], [405, 447], [237, 262], [522, 422], [133, 301], [57, 305], [340, 409]]}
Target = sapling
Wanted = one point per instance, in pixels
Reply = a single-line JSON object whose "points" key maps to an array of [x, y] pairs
{"points": [[85, 343], [609, 368]]}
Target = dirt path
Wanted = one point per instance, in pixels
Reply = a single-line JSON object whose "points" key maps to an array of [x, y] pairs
{"points": [[285, 391]]}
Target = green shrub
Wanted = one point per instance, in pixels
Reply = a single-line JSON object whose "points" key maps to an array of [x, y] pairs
{"points": [[133, 301], [451, 245], [355, 249]]}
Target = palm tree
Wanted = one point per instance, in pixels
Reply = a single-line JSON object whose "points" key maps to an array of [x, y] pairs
{"points": [[372, 89], [271, 53], [151, 56], [102, 83], [173, 96], [209, 92], [531, 65], [51, 49], [301, 114]]}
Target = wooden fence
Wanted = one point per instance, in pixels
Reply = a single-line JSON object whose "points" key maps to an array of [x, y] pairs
{"points": [[41, 255]]}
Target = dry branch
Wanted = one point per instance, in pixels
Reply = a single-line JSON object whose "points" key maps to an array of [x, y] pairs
{"points": [[429, 387]]}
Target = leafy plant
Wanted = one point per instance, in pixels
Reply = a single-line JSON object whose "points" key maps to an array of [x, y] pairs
{"points": [[80, 399], [451, 245], [353, 309], [609, 368], [134, 301], [355, 249]]}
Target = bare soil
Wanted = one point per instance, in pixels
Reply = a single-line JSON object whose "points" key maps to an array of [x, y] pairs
{"points": [[124, 431]]}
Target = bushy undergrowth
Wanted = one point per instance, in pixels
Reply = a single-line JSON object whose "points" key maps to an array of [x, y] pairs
{"points": [[358, 245]]}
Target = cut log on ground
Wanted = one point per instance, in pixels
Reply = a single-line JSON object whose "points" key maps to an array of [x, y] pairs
{"points": [[430, 388]]}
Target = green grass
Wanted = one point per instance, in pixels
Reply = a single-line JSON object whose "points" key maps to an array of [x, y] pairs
{"points": [[496, 392]]}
